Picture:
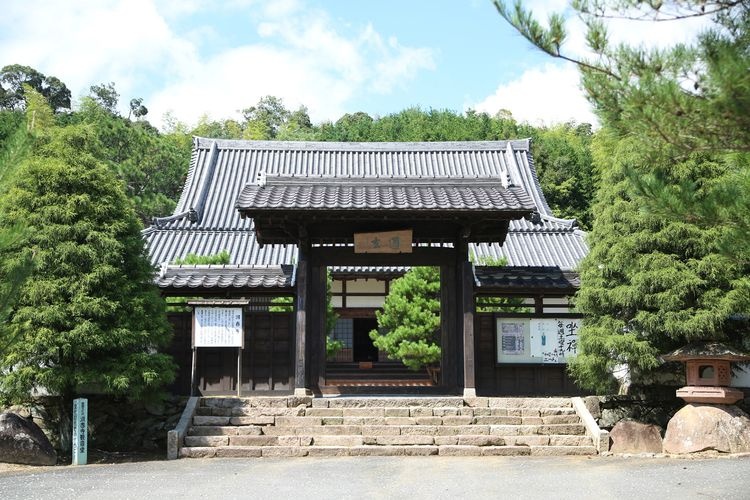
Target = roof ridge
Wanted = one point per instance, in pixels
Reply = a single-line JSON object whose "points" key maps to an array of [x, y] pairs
{"points": [[374, 146]]}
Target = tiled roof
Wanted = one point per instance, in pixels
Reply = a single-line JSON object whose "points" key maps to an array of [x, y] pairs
{"points": [[383, 194], [206, 220], [538, 278], [225, 276]]}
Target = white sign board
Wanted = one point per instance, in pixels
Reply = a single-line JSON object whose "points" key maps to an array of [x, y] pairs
{"points": [[80, 431], [537, 340], [218, 327], [553, 340]]}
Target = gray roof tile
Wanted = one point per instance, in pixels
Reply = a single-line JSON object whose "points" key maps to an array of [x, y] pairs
{"points": [[225, 276], [221, 169]]}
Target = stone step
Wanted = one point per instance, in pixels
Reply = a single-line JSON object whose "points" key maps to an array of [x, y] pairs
{"points": [[436, 412], [387, 402], [375, 450]]}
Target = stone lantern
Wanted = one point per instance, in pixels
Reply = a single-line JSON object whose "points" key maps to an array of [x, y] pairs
{"points": [[708, 371]]}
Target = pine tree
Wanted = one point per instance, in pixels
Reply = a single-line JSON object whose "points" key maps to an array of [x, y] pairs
{"points": [[89, 317], [410, 319]]}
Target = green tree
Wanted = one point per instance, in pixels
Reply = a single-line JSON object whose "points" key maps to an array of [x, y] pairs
{"points": [[13, 78], [672, 265], [410, 319], [650, 284], [89, 317]]}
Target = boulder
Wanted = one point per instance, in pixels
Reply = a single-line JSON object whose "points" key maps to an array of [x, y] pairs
{"points": [[700, 427], [23, 442], [629, 436]]}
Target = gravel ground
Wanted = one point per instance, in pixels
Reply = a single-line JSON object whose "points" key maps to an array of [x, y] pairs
{"points": [[388, 477]]}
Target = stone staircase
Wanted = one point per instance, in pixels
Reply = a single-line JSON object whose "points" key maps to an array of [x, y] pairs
{"points": [[359, 426]]}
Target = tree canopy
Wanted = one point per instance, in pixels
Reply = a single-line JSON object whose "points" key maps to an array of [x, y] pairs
{"points": [[89, 316], [409, 324]]}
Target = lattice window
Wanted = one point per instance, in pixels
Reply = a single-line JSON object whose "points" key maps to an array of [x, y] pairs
{"points": [[344, 331]]}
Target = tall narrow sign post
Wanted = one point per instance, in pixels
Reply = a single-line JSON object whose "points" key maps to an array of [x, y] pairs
{"points": [[80, 431]]}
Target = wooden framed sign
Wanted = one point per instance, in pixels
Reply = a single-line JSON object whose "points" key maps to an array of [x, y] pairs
{"points": [[218, 327], [383, 242]]}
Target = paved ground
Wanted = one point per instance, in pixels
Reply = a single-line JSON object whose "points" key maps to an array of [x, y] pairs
{"points": [[389, 477]]}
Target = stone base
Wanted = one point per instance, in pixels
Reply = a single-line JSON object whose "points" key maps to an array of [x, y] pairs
{"points": [[710, 394], [302, 392], [701, 427], [470, 392]]}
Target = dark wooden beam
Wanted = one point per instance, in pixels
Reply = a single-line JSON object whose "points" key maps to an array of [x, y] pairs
{"points": [[465, 278]]}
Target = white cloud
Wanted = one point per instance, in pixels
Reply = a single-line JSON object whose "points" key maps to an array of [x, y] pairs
{"points": [[303, 56], [546, 95]]}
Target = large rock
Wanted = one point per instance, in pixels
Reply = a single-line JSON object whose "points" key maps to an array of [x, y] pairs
{"points": [[699, 427], [23, 442], [629, 436]]}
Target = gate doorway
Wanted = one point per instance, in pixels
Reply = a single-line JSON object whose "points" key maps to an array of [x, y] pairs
{"points": [[363, 348]]}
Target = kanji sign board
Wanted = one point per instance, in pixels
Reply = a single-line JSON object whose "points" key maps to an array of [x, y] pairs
{"points": [[383, 242], [218, 327]]}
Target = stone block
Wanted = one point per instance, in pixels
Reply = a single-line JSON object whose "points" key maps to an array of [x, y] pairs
{"points": [[204, 411], [549, 412], [529, 440], [531, 421], [320, 403], [420, 412], [239, 452], [324, 412], [391, 451], [513, 412], [366, 420], [498, 420], [400, 421], [570, 429], [570, 441], [442, 412], [193, 452], [446, 440], [513, 430], [212, 421], [562, 451], [468, 412], [284, 451], [698, 427], [298, 421], [481, 440], [257, 420], [329, 451], [403, 440], [498, 412], [249, 430], [294, 401], [253, 440], [418, 430], [332, 420], [223, 412], [383, 430], [396, 412], [212, 431], [453, 430], [459, 451], [505, 451], [421, 421], [530, 412], [292, 441], [458, 420], [477, 402], [205, 441], [337, 441], [561, 419], [363, 412]]}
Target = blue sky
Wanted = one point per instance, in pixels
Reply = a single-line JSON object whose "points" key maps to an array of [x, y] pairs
{"points": [[195, 57]]}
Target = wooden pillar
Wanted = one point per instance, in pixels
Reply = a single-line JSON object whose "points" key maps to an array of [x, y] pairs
{"points": [[316, 325], [448, 322], [302, 285], [466, 315]]}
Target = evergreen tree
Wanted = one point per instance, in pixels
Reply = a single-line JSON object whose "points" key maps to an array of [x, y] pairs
{"points": [[650, 284], [89, 317], [410, 319]]}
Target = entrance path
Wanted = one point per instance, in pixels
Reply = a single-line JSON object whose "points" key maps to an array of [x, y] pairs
{"points": [[389, 477]]}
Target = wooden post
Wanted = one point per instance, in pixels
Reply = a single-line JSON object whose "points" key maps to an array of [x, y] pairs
{"points": [[193, 381], [448, 302], [303, 271], [239, 371], [466, 316]]}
